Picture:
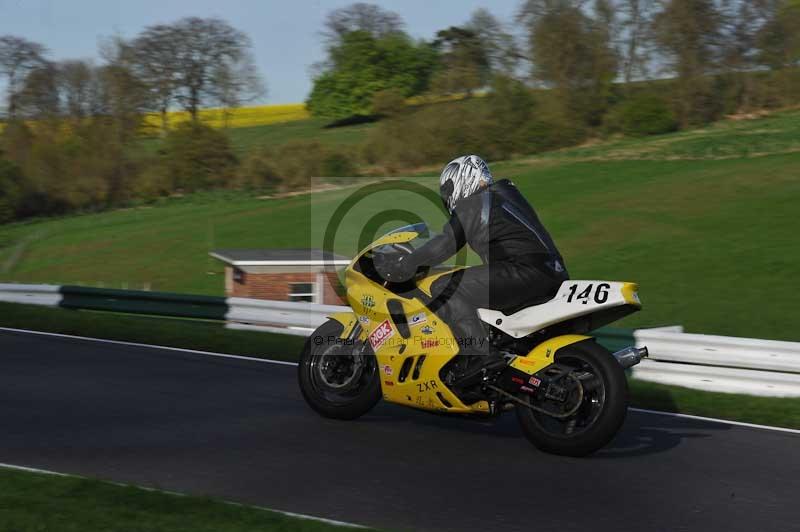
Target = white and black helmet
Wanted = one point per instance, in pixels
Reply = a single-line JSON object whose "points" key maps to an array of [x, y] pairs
{"points": [[463, 177]]}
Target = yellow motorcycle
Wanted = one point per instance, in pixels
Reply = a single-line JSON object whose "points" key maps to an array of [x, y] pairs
{"points": [[569, 393]]}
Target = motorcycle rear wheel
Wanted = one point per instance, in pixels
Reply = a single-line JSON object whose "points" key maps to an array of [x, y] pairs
{"points": [[604, 404], [338, 380]]}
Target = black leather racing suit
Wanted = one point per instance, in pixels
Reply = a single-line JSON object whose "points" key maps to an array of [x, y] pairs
{"points": [[521, 264]]}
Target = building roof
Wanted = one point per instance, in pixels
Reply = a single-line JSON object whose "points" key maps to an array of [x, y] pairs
{"points": [[279, 257]]}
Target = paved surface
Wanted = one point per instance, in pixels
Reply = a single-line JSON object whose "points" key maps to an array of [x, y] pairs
{"points": [[239, 430]]}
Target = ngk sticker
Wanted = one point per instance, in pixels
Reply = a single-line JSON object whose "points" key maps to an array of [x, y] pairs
{"points": [[379, 336]]}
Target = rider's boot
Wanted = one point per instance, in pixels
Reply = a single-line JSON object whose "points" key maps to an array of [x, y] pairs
{"points": [[477, 355]]}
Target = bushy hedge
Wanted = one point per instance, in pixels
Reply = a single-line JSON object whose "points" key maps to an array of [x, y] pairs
{"points": [[294, 165], [196, 156], [642, 115], [10, 190], [507, 122]]}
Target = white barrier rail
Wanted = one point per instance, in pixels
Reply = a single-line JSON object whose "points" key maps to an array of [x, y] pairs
{"points": [[671, 345], [271, 316], [31, 294], [719, 379], [750, 366]]}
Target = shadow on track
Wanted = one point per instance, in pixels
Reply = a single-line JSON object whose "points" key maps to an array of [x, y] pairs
{"points": [[645, 434], [642, 434]]}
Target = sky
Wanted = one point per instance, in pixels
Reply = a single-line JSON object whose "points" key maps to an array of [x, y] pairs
{"points": [[285, 33]]}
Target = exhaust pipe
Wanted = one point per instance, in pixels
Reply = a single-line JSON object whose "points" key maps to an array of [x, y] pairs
{"points": [[630, 356]]}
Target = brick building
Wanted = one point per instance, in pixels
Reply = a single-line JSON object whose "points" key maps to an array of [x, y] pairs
{"points": [[282, 274]]}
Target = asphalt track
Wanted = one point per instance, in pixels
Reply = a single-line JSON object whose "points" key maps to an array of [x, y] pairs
{"points": [[239, 430]]}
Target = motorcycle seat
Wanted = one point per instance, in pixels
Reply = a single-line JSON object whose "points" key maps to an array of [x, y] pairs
{"points": [[573, 299]]}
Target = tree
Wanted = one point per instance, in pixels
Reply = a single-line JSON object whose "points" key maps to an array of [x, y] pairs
{"points": [[778, 40], [87, 164], [778, 43], [572, 52], [635, 23], [195, 62], [39, 97], [122, 97], [604, 61], [360, 16], [511, 110], [362, 65], [151, 56], [77, 87], [18, 57], [501, 49], [464, 61], [236, 84], [742, 22], [689, 34], [208, 46]]}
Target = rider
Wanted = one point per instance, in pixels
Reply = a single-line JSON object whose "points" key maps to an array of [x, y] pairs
{"points": [[521, 264]]}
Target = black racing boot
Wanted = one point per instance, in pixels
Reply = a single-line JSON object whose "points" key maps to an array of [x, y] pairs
{"points": [[479, 365], [477, 355]]}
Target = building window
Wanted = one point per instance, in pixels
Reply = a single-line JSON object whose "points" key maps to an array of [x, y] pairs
{"points": [[238, 276], [302, 292]]}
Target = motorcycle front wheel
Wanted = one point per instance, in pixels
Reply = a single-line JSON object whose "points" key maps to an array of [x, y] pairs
{"points": [[594, 413], [338, 379]]}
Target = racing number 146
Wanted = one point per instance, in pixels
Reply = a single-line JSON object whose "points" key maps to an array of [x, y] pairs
{"points": [[600, 294]]}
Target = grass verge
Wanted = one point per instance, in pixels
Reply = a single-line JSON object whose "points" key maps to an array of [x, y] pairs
{"points": [[774, 411], [171, 332], [39, 502], [210, 336]]}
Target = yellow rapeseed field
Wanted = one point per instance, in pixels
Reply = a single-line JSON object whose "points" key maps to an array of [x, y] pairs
{"points": [[259, 115]]}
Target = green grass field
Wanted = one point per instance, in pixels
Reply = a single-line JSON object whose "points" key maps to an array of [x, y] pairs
{"points": [[246, 139], [200, 335], [705, 221], [771, 134], [34, 502]]}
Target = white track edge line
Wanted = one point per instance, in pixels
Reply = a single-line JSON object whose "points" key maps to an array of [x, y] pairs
{"points": [[715, 420], [285, 363], [167, 492], [151, 346]]}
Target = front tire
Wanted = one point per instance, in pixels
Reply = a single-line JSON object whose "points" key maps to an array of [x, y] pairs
{"points": [[602, 411], [338, 380]]}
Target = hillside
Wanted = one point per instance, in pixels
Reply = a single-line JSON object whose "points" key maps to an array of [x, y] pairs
{"points": [[246, 138], [705, 221]]}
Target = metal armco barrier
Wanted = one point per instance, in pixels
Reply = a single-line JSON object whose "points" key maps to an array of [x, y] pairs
{"points": [[719, 379], [279, 313], [712, 363], [671, 344], [31, 294], [127, 301], [141, 302], [720, 363]]}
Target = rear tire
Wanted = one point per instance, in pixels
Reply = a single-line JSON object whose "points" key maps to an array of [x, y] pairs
{"points": [[338, 381], [604, 412]]}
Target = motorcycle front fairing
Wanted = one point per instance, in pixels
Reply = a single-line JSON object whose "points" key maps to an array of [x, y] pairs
{"points": [[411, 344]]}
